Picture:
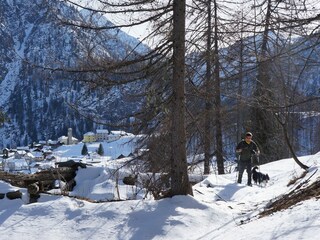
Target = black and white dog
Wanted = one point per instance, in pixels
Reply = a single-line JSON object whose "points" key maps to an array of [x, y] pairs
{"points": [[259, 177]]}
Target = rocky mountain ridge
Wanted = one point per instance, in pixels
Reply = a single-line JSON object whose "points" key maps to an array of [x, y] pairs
{"points": [[36, 100]]}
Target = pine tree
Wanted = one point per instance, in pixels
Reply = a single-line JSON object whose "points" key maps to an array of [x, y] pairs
{"points": [[100, 150], [84, 150]]}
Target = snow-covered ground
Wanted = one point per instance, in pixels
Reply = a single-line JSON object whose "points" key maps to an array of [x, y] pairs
{"points": [[112, 150], [215, 211]]}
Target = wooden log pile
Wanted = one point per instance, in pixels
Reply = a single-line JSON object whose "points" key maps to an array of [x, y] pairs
{"points": [[44, 179]]}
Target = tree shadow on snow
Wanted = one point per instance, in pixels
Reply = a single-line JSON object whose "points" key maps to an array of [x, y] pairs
{"points": [[229, 190], [160, 218], [8, 207]]}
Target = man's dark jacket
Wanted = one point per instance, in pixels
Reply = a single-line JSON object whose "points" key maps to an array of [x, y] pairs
{"points": [[247, 150]]}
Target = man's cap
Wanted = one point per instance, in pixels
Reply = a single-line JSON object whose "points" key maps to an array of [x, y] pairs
{"points": [[248, 134]]}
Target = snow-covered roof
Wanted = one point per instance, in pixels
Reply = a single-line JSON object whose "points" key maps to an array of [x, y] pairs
{"points": [[23, 148], [52, 141], [17, 162], [29, 154], [102, 131], [21, 152], [65, 138], [89, 134], [62, 138], [37, 154], [118, 132]]}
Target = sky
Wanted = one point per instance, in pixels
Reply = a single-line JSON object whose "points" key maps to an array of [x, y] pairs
{"points": [[139, 31], [216, 210]]}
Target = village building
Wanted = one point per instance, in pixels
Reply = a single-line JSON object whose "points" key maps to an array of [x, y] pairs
{"points": [[37, 146], [53, 143], [19, 154], [102, 135], [42, 142], [89, 137], [37, 154], [5, 152], [13, 164], [114, 135], [29, 157], [26, 149], [66, 141]]}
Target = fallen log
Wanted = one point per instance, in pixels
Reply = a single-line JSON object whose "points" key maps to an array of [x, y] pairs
{"points": [[45, 177]]}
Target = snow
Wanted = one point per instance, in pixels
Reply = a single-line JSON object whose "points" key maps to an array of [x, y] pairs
{"points": [[125, 145], [215, 211]]}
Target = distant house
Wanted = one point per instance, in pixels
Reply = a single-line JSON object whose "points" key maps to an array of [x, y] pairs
{"points": [[46, 152], [89, 137], [119, 133], [19, 154], [26, 149], [5, 152], [13, 164], [115, 135], [53, 143], [29, 157], [102, 135], [65, 140], [50, 157], [42, 142], [68, 140], [38, 145], [38, 155]]}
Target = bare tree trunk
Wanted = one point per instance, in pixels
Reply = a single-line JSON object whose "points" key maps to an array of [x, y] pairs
{"points": [[179, 171], [286, 136], [240, 87], [263, 119], [295, 158], [218, 125], [208, 105]]}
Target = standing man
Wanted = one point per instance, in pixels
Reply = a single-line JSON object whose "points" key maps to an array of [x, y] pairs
{"points": [[246, 149]]}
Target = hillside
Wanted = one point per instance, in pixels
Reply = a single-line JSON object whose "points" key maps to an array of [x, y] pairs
{"points": [[35, 95], [219, 209], [42, 102]]}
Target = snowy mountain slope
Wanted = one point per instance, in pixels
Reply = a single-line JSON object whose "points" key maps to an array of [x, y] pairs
{"points": [[35, 100]]}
